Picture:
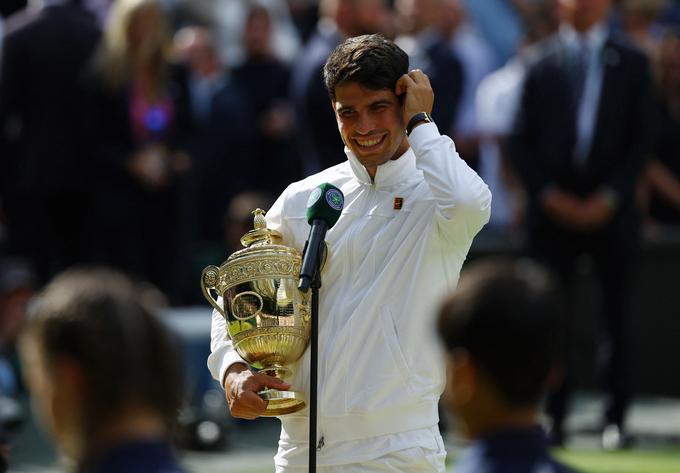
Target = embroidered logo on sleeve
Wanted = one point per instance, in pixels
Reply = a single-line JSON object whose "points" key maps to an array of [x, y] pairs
{"points": [[398, 203]]}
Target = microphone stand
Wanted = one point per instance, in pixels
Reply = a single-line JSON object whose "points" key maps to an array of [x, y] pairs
{"points": [[314, 360]]}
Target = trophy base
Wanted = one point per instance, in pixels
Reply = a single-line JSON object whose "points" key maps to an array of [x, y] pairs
{"points": [[281, 402]]}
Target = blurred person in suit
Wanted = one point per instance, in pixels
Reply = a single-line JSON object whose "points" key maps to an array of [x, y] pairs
{"points": [[477, 60], [223, 135], [320, 144], [103, 373], [140, 139], [266, 80], [579, 146], [227, 19], [429, 50], [497, 100], [45, 170], [502, 330], [662, 177], [641, 22]]}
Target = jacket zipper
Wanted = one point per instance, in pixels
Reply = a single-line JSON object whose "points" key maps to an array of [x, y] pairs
{"points": [[350, 235]]}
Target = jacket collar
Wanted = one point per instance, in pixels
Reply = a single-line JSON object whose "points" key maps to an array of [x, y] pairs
{"points": [[594, 39], [389, 174]]}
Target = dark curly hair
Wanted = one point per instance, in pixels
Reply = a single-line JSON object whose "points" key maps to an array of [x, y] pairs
{"points": [[370, 60], [510, 317], [98, 318]]}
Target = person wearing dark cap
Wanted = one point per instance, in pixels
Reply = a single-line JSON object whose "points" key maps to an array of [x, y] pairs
{"points": [[502, 331], [103, 372]]}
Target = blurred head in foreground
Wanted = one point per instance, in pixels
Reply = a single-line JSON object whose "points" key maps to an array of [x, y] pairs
{"points": [[502, 331], [102, 369]]}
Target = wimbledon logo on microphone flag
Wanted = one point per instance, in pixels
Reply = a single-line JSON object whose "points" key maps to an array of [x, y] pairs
{"points": [[335, 199], [314, 196]]}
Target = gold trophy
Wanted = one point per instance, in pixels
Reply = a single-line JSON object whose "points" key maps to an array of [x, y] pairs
{"points": [[268, 318]]}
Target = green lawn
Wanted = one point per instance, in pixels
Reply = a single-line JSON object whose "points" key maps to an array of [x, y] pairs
{"points": [[585, 461], [634, 461]]}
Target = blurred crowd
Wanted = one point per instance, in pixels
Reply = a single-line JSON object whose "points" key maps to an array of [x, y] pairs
{"points": [[140, 134]]}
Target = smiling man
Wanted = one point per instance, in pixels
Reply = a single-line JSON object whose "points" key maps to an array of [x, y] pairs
{"points": [[412, 208]]}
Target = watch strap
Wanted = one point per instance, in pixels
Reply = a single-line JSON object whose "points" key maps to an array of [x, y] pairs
{"points": [[422, 117]]}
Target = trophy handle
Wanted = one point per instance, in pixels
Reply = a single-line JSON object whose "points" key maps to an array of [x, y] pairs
{"points": [[208, 283]]}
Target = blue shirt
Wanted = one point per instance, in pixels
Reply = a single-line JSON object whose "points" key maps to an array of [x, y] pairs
{"points": [[510, 451], [151, 456]]}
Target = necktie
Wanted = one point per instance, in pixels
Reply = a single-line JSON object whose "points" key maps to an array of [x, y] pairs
{"points": [[580, 71]]}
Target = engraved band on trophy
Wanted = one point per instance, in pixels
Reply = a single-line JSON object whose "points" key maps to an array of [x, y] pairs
{"points": [[268, 318]]}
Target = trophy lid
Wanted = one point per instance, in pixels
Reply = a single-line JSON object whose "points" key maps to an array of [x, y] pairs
{"points": [[260, 235]]}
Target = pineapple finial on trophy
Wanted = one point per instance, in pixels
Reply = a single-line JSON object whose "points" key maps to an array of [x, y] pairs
{"points": [[259, 222]]}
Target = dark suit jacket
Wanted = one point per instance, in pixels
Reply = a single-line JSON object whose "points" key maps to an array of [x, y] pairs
{"points": [[446, 76], [266, 83], [42, 105], [317, 129], [542, 146]]}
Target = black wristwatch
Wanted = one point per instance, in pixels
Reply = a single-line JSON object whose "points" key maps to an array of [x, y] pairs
{"points": [[422, 117]]}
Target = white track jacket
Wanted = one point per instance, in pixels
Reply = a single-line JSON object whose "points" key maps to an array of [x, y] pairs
{"points": [[397, 248]]}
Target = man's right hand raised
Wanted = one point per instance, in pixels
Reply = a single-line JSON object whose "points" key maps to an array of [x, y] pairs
{"points": [[241, 387]]}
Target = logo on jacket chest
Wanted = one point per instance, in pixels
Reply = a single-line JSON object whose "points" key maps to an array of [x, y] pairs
{"points": [[398, 203]]}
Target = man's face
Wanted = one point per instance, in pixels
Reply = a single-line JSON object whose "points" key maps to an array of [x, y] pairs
{"points": [[586, 13], [370, 16], [370, 123]]}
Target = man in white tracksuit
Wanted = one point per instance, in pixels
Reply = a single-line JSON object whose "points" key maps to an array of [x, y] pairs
{"points": [[412, 208]]}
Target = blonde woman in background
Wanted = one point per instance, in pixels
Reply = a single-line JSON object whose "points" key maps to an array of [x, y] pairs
{"points": [[141, 130]]}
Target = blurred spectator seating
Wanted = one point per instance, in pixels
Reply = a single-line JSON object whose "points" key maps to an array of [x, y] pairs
{"points": [[228, 20]]}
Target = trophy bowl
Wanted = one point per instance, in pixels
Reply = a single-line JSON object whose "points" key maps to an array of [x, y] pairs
{"points": [[267, 317]]}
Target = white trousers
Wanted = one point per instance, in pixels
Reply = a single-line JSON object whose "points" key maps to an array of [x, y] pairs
{"points": [[411, 460]]}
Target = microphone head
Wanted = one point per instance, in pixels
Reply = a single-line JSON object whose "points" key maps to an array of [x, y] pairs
{"points": [[325, 203]]}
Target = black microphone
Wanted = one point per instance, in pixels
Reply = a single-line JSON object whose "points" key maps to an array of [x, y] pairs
{"points": [[323, 210]]}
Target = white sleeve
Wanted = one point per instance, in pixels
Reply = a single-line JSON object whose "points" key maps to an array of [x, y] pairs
{"points": [[222, 352], [463, 199]]}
